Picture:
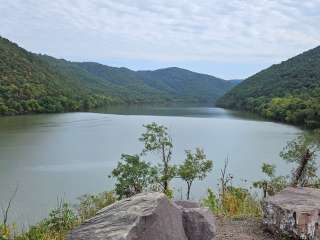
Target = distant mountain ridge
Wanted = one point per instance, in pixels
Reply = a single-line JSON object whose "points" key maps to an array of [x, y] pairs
{"points": [[236, 81], [287, 92], [34, 83]]}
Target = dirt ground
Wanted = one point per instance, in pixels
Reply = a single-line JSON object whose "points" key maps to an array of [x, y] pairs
{"points": [[249, 229]]}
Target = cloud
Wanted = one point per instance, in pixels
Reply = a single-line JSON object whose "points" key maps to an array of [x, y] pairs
{"points": [[241, 31]]}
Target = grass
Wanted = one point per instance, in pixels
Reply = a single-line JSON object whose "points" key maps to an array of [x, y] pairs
{"points": [[61, 219], [235, 202]]}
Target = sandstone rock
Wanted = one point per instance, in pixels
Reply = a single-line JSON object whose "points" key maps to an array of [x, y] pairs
{"points": [[198, 224], [294, 212], [147, 216]]}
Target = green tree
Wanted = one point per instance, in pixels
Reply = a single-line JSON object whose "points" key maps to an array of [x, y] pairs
{"points": [[272, 184], [133, 175], [195, 166], [156, 139], [302, 151]]}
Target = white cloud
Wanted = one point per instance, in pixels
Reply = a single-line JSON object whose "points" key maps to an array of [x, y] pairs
{"points": [[166, 30]]}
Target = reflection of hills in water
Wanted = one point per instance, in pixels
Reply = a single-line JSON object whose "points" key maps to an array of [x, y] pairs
{"points": [[44, 122], [181, 110], [47, 121]]}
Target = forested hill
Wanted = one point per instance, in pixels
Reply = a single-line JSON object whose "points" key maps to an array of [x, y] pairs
{"points": [[185, 85], [287, 92], [31, 83]]}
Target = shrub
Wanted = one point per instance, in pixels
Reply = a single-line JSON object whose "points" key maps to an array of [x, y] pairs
{"points": [[89, 205]]}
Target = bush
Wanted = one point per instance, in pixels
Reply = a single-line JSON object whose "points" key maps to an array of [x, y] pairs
{"points": [[236, 202], [90, 204], [211, 201]]}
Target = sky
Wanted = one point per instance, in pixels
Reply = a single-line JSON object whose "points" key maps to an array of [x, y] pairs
{"points": [[230, 39]]}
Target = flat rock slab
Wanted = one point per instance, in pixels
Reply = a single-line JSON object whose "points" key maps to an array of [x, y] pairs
{"points": [[147, 216], [241, 229], [294, 212]]}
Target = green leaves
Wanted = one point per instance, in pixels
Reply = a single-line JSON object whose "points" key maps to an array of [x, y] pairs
{"points": [[195, 166], [272, 184], [287, 92], [133, 175], [268, 169], [156, 139]]}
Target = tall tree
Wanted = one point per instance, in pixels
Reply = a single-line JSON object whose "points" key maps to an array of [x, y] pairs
{"points": [[195, 166], [156, 139]]}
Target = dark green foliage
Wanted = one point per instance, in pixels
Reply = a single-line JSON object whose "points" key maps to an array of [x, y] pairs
{"points": [[31, 83], [187, 86], [287, 92], [133, 176]]}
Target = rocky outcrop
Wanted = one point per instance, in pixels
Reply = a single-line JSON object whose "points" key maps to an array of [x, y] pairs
{"points": [[294, 212], [147, 216], [198, 223]]}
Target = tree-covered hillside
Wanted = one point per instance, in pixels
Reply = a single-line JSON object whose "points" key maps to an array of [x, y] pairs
{"points": [[29, 85], [287, 92], [125, 83], [169, 84], [32, 83], [184, 85]]}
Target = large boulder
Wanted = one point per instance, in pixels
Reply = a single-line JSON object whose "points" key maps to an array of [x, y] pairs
{"points": [[147, 216], [294, 212], [198, 223]]}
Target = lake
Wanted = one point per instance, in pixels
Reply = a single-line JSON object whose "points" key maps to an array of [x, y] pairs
{"points": [[66, 155]]}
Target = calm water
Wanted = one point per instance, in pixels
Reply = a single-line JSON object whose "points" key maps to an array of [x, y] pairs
{"points": [[67, 155]]}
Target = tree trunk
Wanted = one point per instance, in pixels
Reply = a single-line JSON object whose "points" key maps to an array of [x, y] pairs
{"points": [[188, 192], [302, 166], [265, 189], [165, 186], [165, 170]]}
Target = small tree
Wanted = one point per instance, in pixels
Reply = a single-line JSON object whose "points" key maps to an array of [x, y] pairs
{"points": [[302, 151], [272, 184], [211, 201], [133, 176], [156, 139], [195, 166], [225, 178]]}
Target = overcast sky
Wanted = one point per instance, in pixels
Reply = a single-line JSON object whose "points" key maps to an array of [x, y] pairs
{"points": [[227, 38]]}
